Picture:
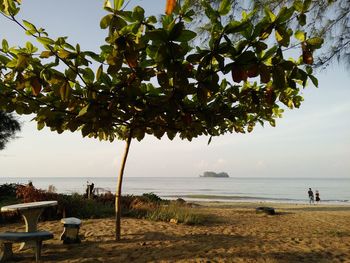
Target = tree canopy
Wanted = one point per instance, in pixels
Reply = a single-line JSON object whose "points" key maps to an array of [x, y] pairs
{"points": [[327, 19], [150, 77]]}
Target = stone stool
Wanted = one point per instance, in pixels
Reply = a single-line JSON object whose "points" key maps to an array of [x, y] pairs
{"points": [[71, 230]]}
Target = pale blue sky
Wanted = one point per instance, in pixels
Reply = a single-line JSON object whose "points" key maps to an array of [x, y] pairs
{"points": [[313, 141]]}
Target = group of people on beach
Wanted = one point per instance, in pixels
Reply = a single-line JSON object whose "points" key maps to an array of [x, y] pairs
{"points": [[311, 196]]}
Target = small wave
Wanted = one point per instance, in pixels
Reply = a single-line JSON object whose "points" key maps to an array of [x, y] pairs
{"points": [[230, 197], [235, 198]]}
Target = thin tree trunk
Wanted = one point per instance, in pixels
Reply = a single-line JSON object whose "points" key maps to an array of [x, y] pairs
{"points": [[118, 194]]}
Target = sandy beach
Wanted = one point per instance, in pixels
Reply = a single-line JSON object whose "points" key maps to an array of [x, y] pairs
{"points": [[235, 233]]}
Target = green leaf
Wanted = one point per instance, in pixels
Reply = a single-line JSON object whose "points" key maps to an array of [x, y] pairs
{"points": [[63, 53], [29, 26], [152, 20], [118, 4], [279, 79], [306, 5], [302, 19], [106, 21], [30, 48], [4, 60], [157, 35], [300, 35], [5, 46], [11, 64], [138, 13], [171, 134], [315, 42], [83, 111], [40, 125], [282, 37], [236, 26], [314, 80], [46, 54], [269, 53], [298, 5], [99, 72], [269, 14], [45, 40], [65, 91], [118, 22], [209, 11], [186, 35], [88, 75], [185, 6], [176, 31], [284, 15], [107, 5], [308, 69], [225, 7], [70, 74]]}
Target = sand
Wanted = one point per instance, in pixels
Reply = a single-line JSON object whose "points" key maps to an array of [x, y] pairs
{"points": [[298, 233]]}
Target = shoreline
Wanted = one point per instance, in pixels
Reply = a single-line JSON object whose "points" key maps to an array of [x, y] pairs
{"points": [[260, 201], [276, 205], [236, 233]]}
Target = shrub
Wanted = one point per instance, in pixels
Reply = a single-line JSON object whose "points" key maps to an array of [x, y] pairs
{"points": [[152, 197], [8, 197], [149, 205], [178, 213], [68, 205], [8, 190], [76, 205]]}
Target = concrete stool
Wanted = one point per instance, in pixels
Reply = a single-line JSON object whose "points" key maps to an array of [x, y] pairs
{"points": [[71, 230]]}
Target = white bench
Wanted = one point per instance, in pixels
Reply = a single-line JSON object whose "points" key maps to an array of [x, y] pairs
{"points": [[7, 238], [71, 230]]}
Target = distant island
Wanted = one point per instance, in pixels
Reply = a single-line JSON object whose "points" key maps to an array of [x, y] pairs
{"points": [[213, 174]]}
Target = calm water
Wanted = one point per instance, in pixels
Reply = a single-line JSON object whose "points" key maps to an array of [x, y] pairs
{"points": [[335, 190]]}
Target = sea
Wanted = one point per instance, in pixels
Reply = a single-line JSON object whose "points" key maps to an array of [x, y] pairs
{"points": [[232, 189]]}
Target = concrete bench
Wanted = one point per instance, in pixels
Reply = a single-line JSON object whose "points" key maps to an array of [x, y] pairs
{"points": [[7, 238], [71, 230]]}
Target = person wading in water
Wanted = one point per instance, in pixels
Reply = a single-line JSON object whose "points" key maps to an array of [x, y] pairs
{"points": [[311, 196]]}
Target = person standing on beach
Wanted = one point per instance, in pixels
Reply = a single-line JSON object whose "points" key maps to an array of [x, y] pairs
{"points": [[317, 197], [311, 196]]}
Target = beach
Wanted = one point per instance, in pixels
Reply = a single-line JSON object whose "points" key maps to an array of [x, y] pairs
{"points": [[234, 233]]}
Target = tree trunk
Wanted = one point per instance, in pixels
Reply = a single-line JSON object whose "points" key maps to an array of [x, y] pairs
{"points": [[118, 194]]}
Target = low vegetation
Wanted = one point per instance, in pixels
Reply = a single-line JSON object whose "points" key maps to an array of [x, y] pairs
{"points": [[148, 206]]}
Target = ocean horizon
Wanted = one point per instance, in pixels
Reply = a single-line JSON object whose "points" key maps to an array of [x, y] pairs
{"points": [[232, 189]]}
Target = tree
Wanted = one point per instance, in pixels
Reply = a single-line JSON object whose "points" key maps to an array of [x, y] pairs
{"points": [[327, 19], [149, 79], [8, 127]]}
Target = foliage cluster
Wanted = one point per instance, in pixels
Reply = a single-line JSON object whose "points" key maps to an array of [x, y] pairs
{"points": [[8, 197], [149, 205], [68, 205], [327, 19], [8, 190], [149, 79]]}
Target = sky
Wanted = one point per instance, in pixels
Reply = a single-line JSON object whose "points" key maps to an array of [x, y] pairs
{"points": [[313, 141]]}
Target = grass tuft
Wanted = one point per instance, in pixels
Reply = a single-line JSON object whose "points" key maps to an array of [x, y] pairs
{"points": [[177, 213]]}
